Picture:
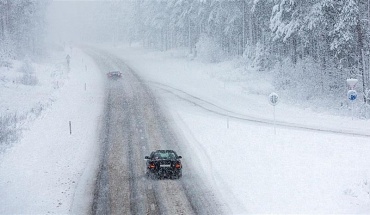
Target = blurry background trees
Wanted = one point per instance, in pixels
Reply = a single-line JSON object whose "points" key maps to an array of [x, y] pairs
{"points": [[312, 47], [22, 28], [325, 41]]}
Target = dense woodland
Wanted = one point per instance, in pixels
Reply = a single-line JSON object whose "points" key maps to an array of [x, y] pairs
{"points": [[22, 28], [325, 41], [311, 46]]}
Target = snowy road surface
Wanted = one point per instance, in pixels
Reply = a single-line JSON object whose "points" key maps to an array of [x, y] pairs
{"points": [[321, 167], [295, 171], [134, 125], [213, 108]]}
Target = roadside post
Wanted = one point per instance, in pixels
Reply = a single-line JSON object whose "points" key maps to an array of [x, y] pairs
{"points": [[352, 93], [352, 96], [274, 100], [68, 58]]}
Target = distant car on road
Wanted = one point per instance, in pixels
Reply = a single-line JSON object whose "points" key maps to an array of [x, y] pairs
{"points": [[114, 74], [163, 164]]}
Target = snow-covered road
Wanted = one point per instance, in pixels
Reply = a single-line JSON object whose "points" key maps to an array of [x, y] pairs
{"points": [[222, 111], [135, 125], [247, 166]]}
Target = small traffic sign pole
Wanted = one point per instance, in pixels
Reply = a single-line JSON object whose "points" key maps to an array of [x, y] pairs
{"points": [[274, 100], [352, 94], [274, 121]]}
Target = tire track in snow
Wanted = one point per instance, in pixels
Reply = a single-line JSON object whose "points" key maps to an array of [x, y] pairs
{"points": [[144, 128]]}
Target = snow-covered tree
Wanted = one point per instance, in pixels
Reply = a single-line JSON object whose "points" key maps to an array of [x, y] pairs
{"points": [[334, 34], [22, 27]]}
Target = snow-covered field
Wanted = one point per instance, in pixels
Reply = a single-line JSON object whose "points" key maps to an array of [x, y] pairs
{"points": [[251, 168], [50, 170]]}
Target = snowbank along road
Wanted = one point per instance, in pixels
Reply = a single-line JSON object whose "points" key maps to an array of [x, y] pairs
{"points": [[213, 108], [134, 125]]}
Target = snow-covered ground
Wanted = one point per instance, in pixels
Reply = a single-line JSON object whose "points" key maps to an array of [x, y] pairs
{"points": [[50, 170], [252, 169]]}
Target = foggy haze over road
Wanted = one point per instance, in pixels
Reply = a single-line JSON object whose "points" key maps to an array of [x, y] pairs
{"points": [[87, 21], [196, 77]]}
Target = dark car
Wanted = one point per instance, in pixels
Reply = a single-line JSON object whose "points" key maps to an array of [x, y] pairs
{"points": [[163, 164], [114, 74]]}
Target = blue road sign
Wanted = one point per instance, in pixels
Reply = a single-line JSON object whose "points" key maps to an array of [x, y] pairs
{"points": [[273, 99], [352, 95]]}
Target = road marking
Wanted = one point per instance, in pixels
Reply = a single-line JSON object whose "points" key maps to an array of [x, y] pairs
{"points": [[152, 206]]}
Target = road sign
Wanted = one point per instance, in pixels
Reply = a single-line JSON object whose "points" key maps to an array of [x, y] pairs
{"points": [[352, 95], [273, 99], [352, 82]]}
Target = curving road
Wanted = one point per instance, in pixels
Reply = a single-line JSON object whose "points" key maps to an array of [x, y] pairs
{"points": [[215, 109], [134, 125]]}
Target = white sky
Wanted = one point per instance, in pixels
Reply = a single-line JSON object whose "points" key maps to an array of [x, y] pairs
{"points": [[69, 20]]}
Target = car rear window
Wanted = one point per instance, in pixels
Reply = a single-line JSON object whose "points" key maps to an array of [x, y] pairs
{"points": [[165, 155]]}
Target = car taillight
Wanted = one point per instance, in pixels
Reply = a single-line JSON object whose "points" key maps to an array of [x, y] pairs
{"points": [[178, 165], [151, 166]]}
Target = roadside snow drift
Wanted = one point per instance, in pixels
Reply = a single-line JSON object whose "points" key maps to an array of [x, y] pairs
{"points": [[51, 170]]}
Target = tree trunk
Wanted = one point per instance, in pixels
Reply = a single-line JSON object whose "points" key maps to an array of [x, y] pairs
{"points": [[189, 37], [360, 47], [2, 23], [250, 22], [243, 25], [294, 50]]}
